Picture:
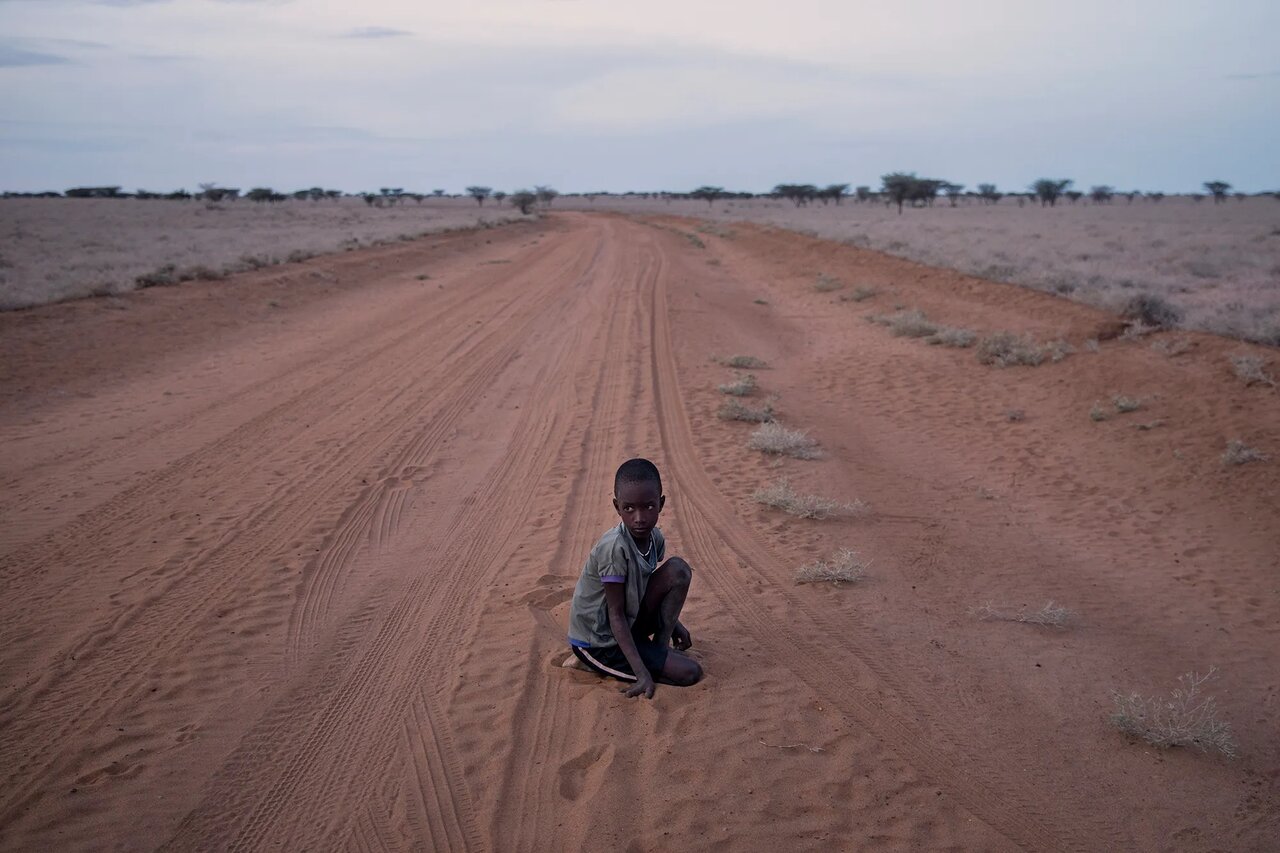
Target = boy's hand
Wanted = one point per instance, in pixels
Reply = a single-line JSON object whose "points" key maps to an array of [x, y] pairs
{"points": [[644, 684], [680, 638]]}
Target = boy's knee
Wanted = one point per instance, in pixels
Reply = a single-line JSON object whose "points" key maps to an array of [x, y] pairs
{"points": [[692, 673], [681, 572]]}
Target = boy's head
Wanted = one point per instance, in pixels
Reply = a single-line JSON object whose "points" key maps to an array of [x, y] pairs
{"points": [[637, 496]]}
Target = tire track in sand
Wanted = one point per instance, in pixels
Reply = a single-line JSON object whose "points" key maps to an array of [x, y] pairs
{"points": [[881, 705], [310, 762]]}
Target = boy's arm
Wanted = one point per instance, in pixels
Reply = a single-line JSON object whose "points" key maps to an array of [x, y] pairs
{"points": [[615, 597]]}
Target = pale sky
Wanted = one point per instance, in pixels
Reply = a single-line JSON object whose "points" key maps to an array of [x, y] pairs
{"points": [[609, 95]]}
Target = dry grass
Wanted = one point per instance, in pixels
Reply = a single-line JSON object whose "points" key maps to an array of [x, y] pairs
{"points": [[859, 294], [1125, 404], [732, 410], [1238, 453], [950, 336], [1005, 349], [844, 567], [744, 362], [59, 249], [1186, 717], [1051, 615], [1173, 346], [906, 324], [775, 439], [826, 284], [1101, 255], [1252, 369], [780, 495], [744, 384]]}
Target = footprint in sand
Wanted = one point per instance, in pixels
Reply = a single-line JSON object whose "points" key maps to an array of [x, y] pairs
{"points": [[585, 771]]}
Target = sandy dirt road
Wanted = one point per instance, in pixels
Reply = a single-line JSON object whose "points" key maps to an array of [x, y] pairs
{"points": [[285, 560]]}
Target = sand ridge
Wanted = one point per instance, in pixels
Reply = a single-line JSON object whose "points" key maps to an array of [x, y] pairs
{"points": [[314, 596]]}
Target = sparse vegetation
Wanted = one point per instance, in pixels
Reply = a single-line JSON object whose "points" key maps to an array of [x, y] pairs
{"points": [[1051, 615], [1238, 453], [1005, 349], [744, 362], [1125, 404], [1048, 190], [1150, 310], [1098, 412], [826, 283], [780, 495], [1172, 346], [845, 566], [859, 294], [906, 324], [1252, 369], [743, 385], [775, 439], [948, 336], [1014, 416], [1186, 717], [733, 410]]}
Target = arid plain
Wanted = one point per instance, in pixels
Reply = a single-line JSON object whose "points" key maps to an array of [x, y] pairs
{"points": [[286, 557]]}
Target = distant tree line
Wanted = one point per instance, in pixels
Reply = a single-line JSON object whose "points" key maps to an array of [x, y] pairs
{"points": [[900, 189]]}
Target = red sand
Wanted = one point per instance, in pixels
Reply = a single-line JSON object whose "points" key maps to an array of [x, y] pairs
{"points": [[285, 560]]}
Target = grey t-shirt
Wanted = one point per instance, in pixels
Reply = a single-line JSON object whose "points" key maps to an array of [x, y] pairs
{"points": [[614, 559]]}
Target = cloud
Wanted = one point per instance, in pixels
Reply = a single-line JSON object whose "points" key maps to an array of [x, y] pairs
{"points": [[375, 33], [12, 56]]}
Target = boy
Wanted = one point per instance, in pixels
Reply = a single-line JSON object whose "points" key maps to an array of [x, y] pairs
{"points": [[626, 606]]}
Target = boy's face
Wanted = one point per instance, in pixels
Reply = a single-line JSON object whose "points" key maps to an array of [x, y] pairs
{"points": [[638, 505]]}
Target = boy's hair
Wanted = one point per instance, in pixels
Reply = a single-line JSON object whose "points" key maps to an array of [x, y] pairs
{"points": [[637, 471]]}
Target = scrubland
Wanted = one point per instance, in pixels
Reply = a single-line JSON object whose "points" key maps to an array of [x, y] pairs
{"points": [[57, 249], [1218, 264]]}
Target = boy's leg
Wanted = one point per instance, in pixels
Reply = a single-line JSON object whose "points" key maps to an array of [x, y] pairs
{"points": [[663, 600], [659, 611]]}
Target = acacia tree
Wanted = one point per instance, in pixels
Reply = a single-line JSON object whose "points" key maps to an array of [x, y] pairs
{"points": [[862, 193], [1048, 190], [546, 195], [898, 187], [708, 194], [989, 194], [1218, 189], [1101, 194], [479, 194], [498, 196], [833, 192], [524, 200], [800, 194], [952, 190]]}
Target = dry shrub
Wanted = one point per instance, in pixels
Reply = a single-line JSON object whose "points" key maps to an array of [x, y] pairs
{"points": [[732, 410], [1098, 412], [1184, 718], [1151, 310], [1125, 404], [1238, 453], [1173, 346], [780, 495], [744, 362], [774, 438], [949, 336], [906, 324], [844, 567], [859, 294], [742, 385], [1052, 615], [1252, 369], [1014, 416], [826, 284], [1005, 349]]}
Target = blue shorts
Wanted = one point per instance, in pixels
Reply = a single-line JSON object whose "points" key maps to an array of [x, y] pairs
{"points": [[610, 661]]}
